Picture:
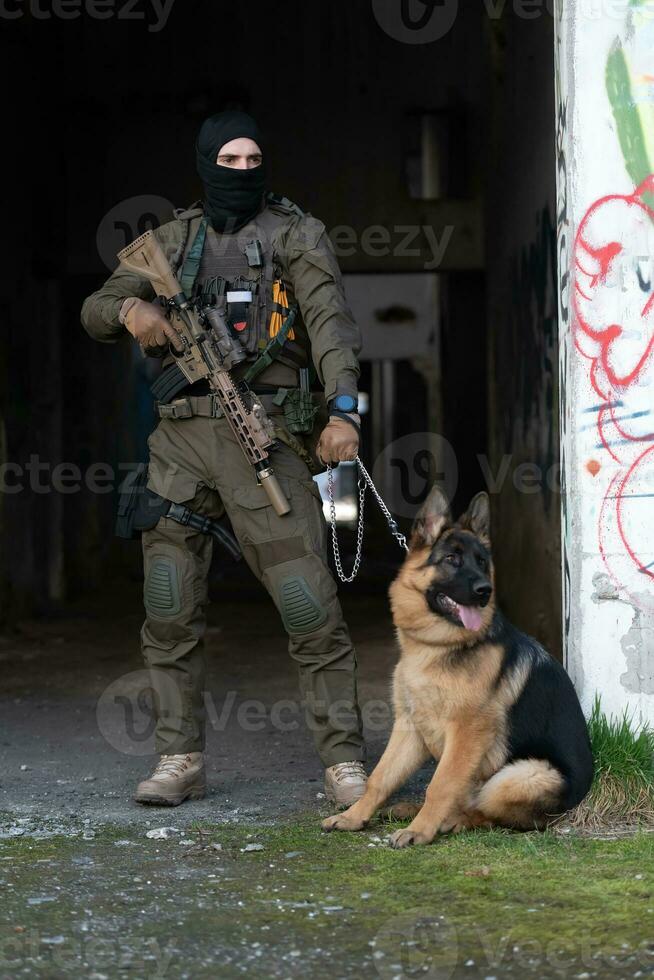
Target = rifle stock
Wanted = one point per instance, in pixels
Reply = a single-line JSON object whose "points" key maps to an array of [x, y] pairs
{"points": [[146, 258]]}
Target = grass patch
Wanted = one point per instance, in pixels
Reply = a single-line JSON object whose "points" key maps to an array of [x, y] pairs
{"points": [[326, 905], [623, 787]]}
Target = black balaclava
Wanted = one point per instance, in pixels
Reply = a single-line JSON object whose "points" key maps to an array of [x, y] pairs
{"points": [[232, 196]]}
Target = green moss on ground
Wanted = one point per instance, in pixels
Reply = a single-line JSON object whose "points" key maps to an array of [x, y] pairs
{"points": [[330, 905]]}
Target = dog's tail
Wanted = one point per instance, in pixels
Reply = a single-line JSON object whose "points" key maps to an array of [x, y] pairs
{"points": [[523, 794]]}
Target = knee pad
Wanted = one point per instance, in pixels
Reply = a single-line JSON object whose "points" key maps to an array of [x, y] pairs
{"points": [[301, 611], [161, 591]]}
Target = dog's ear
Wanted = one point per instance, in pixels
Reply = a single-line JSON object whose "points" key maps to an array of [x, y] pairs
{"points": [[431, 519], [477, 516]]}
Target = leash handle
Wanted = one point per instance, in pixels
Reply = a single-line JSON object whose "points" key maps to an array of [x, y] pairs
{"points": [[364, 481]]}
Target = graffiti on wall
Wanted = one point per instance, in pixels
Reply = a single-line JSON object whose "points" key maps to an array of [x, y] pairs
{"points": [[604, 72], [613, 302], [630, 91], [614, 331]]}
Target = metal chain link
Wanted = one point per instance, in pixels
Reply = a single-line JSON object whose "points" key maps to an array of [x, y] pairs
{"points": [[362, 485]]}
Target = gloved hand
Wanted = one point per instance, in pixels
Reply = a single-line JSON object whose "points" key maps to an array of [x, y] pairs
{"points": [[339, 440], [147, 324]]}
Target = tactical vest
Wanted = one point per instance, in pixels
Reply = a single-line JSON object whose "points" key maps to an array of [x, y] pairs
{"points": [[237, 273]]}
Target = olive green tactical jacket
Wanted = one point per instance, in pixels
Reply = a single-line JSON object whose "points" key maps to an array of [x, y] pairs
{"points": [[309, 268]]}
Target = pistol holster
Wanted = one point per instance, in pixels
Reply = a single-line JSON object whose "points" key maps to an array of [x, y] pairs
{"points": [[140, 509]]}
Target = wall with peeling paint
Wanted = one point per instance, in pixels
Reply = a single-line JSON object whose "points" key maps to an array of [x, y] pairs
{"points": [[605, 163], [522, 475]]}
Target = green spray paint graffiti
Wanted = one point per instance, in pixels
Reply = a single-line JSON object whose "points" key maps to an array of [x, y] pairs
{"points": [[630, 89], [626, 114]]}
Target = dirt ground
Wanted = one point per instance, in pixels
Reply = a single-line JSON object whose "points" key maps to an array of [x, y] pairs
{"points": [[245, 883]]}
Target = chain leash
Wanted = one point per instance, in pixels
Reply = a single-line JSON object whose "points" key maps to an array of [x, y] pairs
{"points": [[364, 481]]}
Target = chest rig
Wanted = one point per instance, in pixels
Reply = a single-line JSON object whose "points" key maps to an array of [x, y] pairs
{"points": [[241, 276]]}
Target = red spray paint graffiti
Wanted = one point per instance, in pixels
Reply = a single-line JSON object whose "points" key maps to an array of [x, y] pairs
{"points": [[614, 330]]}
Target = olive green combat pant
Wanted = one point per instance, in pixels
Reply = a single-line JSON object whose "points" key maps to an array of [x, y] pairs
{"points": [[197, 461]]}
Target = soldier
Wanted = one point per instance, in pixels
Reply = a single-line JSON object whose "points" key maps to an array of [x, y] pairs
{"points": [[256, 256]]}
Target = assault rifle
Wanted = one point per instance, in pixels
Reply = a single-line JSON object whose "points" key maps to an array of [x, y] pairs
{"points": [[210, 352]]}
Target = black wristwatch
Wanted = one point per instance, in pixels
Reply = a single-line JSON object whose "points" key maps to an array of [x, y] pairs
{"points": [[344, 403]]}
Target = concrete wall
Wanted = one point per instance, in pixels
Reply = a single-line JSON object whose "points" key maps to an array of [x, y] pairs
{"points": [[605, 115], [522, 469]]}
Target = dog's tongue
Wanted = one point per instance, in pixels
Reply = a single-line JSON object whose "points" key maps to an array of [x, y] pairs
{"points": [[470, 616]]}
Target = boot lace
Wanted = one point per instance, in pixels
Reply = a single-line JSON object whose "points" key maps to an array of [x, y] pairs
{"points": [[172, 765], [346, 770]]}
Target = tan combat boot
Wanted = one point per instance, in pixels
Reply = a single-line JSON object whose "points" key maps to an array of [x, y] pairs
{"points": [[345, 783], [176, 778]]}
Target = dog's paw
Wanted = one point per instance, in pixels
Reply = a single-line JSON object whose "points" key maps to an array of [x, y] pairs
{"points": [[408, 837], [454, 823], [402, 811], [463, 820], [343, 821], [447, 827]]}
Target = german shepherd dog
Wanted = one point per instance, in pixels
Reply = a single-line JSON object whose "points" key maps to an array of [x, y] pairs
{"points": [[495, 710]]}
